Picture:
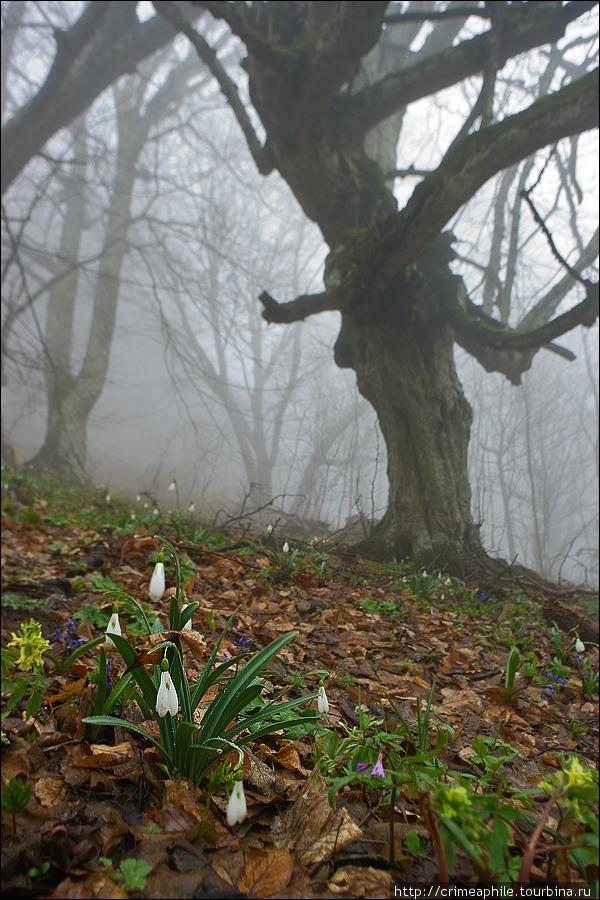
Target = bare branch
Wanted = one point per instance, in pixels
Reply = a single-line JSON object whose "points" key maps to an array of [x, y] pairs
{"points": [[171, 13], [527, 27], [106, 42], [299, 309], [572, 272], [467, 167]]}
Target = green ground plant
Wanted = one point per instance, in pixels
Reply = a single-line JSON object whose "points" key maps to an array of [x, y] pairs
{"points": [[187, 748]]}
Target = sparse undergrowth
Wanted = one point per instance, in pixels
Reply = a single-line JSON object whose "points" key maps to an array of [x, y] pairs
{"points": [[456, 738]]}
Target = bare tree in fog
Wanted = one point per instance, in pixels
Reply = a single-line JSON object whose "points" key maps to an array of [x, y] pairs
{"points": [[75, 380], [334, 88], [388, 272]]}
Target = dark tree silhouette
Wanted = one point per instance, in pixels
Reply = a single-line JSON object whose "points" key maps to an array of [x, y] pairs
{"points": [[388, 270]]}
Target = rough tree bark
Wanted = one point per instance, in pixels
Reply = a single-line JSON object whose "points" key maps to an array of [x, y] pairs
{"points": [[387, 273]]}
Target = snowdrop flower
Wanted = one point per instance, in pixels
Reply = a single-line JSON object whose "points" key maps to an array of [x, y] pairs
{"points": [[236, 807], [114, 626], [133, 517], [192, 507], [285, 548], [322, 701], [167, 700], [139, 498], [107, 499], [173, 485], [579, 645], [188, 624], [269, 528], [157, 582], [155, 511]]}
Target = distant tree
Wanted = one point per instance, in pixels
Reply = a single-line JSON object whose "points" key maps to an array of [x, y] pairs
{"points": [[74, 380], [388, 271], [107, 41]]}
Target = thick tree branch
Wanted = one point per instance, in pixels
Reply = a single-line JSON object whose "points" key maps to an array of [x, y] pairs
{"points": [[106, 42], [480, 156], [525, 28], [471, 332], [299, 309], [317, 49], [171, 12]]}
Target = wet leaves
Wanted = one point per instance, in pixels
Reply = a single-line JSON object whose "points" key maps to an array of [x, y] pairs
{"points": [[108, 798]]}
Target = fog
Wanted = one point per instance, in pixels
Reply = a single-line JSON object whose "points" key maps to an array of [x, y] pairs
{"points": [[198, 387]]}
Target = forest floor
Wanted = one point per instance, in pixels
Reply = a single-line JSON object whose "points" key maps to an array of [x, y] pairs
{"points": [[482, 713]]}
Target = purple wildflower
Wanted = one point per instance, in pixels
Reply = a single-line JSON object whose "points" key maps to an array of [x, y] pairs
{"points": [[377, 770]]}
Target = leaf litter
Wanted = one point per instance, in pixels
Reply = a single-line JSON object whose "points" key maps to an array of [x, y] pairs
{"points": [[98, 803]]}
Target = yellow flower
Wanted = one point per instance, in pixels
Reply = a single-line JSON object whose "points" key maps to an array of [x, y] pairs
{"points": [[31, 645]]}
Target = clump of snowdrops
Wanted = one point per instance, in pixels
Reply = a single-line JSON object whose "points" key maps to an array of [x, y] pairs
{"points": [[194, 734]]}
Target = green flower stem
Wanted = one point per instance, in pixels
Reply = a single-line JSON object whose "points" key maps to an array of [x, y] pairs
{"points": [[175, 607]]}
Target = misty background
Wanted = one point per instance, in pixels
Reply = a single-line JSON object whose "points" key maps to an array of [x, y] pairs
{"points": [[142, 239]]}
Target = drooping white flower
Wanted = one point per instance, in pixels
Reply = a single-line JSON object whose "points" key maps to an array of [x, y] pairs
{"points": [[167, 700], [173, 485], [285, 548], [114, 626], [579, 645], [192, 507], [236, 807], [322, 701], [269, 528], [157, 582], [188, 624], [138, 498]]}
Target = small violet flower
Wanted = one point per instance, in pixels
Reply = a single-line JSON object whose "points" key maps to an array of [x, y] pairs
{"points": [[236, 807], [377, 770], [322, 701], [360, 767], [157, 582], [114, 626], [167, 700]]}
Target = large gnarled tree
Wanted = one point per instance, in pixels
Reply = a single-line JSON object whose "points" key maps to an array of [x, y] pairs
{"points": [[387, 272]]}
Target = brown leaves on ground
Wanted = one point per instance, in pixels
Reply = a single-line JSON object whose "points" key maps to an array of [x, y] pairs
{"points": [[98, 802]]}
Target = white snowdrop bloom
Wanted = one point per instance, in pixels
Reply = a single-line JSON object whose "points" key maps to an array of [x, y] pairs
{"points": [[579, 645], [157, 582], [285, 548], [167, 700], [188, 624], [269, 528], [133, 516], [192, 507], [107, 498], [139, 498], [173, 485], [155, 511], [114, 627], [236, 807], [322, 701]]}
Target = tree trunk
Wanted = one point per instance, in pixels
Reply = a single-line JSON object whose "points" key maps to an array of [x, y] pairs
{"points": [[408, 375]]}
